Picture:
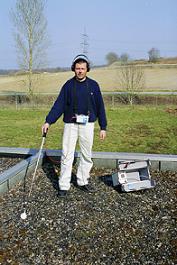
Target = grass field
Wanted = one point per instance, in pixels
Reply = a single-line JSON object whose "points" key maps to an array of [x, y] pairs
{"points": [[130, 129], [157, 78]]}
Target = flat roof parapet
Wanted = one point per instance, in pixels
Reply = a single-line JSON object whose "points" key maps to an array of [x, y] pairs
{"points": [[161, 162]]}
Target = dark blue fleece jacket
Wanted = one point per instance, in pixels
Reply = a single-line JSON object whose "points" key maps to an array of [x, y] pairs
{"points": [[88, 97]]}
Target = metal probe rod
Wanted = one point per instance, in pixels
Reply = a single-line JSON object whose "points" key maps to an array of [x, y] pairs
{"points": [[40, 151]]}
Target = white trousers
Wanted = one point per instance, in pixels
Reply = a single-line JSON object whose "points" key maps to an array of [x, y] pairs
{"points": [[73, 132]]}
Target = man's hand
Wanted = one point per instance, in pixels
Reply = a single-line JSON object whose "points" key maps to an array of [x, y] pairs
{"points": [[45, 127], [102, 134]]}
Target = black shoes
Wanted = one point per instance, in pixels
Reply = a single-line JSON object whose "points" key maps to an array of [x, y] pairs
{"points": [[62, 193], [87, 188]]}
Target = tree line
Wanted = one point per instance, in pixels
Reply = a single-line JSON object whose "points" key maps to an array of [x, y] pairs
{"points": [[111, 57]]}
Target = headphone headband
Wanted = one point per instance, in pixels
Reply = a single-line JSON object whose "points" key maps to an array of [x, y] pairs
{"points": [[80, 57]]}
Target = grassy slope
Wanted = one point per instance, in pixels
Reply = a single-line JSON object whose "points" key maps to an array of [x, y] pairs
{"points": [[130, 129], [156, 78]]}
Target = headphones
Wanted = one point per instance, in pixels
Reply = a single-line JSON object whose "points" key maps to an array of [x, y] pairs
{"points": [[80, 58]]}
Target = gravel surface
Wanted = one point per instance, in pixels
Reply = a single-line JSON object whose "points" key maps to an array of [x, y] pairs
{"points": [[105, 228], [6, 162]]}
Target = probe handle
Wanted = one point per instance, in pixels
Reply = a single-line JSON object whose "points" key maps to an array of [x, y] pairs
{"points": [[44, 134]]}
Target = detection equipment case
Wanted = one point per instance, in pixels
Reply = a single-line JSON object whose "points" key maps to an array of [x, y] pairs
{"points": [[133, 176]]}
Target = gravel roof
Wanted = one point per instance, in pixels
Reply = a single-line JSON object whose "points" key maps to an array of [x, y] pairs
{"points": [[6, 162], [107, 227]]}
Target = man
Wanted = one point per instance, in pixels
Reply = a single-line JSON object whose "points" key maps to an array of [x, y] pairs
{"points": [[80, 101]]}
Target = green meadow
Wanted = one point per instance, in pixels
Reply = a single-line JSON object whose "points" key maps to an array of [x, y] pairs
{"points": [[144, 129]]}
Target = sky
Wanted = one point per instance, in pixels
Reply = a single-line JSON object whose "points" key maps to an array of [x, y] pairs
{"points": [[119, 26]]}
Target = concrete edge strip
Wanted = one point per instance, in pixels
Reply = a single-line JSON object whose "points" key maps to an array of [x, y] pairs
{"points": [[97, 155], [13, 151], [121, 156], [16, 173]]}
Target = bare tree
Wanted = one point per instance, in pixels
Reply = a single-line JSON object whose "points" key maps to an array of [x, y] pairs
{"points": [[30, 36], [124, 57], [154, 55], [111, 57], [131, 79]]}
